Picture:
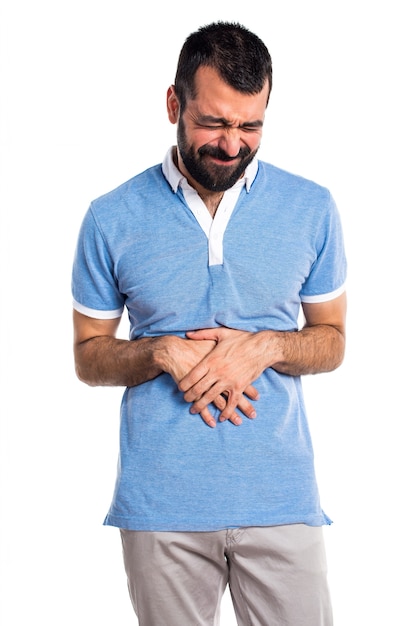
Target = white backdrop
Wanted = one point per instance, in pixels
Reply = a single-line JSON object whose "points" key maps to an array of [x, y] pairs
{"points": [[83, 87]]}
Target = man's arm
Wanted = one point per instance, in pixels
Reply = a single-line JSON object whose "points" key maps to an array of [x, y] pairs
{"points": [[103, 359], [320, 345], [240, 357]]}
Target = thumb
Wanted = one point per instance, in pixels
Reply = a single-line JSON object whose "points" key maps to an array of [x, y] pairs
{"points": [[212, 334]]}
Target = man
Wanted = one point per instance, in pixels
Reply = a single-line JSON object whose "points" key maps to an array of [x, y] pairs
{"points": [[213, 253]]}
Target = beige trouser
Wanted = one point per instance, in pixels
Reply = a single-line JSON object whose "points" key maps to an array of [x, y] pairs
{"points": [[277, 576]]}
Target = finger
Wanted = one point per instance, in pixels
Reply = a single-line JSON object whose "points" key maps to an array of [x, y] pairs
{"points": [[202, 387], [235, 418], [199, 401], [244, 406], [251, 392], [212, 334], [189, 382], [208, 418], [237, 400]]}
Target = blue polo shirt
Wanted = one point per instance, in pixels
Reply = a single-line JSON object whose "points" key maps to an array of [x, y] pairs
{"points": [[151, 246]]}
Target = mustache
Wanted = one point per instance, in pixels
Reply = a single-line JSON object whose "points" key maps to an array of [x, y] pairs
{"points": [[218, 153]]}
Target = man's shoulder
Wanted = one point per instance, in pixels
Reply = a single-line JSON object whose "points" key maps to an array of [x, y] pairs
{"points": [[143, 183], [296, 194], [287, 179]]}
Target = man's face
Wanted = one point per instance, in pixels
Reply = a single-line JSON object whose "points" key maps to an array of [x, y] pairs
{"points": [[219, 132]]}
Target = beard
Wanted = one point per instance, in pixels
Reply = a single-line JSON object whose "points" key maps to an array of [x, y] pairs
{"points": [[209, 175]]}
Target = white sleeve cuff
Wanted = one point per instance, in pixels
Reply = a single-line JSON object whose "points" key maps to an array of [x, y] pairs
{"points": [[95, 313], [323, 297]]}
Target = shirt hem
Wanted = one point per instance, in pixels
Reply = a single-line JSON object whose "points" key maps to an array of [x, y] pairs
{"points": [[130, 524]]}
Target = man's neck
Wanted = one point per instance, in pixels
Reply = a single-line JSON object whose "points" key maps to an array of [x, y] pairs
{"points": [[211, 199]]}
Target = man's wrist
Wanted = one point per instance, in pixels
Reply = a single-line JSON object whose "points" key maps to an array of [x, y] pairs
{"points": [[162, 351], [272, 346]]}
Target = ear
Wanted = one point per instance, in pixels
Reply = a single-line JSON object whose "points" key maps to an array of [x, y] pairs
{"points": [[173, 105]]}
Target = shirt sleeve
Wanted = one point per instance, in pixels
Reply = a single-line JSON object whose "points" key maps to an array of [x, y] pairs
{"points": [[94, 284], [328, 274]]}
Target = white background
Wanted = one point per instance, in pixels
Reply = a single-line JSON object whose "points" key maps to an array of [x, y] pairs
{"points": [[83, 87]]}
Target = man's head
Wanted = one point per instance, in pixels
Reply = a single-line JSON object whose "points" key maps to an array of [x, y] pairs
{"points": [[239, 57], [221, 91]]}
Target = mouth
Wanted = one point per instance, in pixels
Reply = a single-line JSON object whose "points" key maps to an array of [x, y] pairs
{"points": [[221, 161], [219, 156]]}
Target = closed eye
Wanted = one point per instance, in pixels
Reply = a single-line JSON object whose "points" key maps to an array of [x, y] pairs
{"points": [[214, 123], [251, 128]]}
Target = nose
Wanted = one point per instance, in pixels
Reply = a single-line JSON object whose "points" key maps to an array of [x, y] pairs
{"points": [[230, 142]]}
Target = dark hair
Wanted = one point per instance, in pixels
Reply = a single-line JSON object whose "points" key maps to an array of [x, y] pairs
{"points": [[238, 55]]}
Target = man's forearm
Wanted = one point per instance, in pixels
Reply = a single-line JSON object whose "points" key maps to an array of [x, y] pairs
{"points": [[312, 350], [109, 361], [240, 357]]}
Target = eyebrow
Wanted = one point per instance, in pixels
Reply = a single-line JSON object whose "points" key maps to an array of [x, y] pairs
{"points": [[210, 119]]}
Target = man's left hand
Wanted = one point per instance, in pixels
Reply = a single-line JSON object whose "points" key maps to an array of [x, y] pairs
{"points": [[228, 370]]}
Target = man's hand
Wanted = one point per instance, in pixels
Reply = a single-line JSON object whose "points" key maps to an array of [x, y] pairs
{"points": [[103, 359], [240, 357], [184, 357], [228, 371]]}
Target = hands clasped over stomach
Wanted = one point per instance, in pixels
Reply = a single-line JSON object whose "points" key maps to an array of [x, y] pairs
{"points": [[217, 366]]}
